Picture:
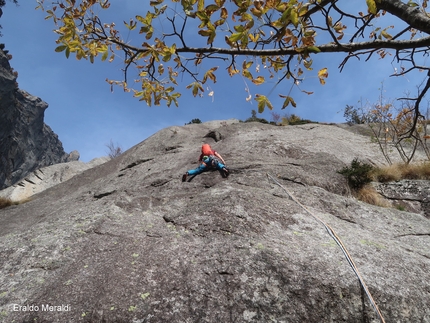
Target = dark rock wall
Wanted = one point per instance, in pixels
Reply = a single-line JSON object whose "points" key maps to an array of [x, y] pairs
{"points": [[26, 142]]}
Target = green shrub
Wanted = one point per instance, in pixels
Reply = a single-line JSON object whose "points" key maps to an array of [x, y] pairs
{"points": [[254, 118], [196, 120], [292, 120], [358, 174]]}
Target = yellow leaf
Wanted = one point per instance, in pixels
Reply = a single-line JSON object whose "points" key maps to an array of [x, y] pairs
{"points": [[259, 80], [386, 35], [322, 74], [257, 13], [254, 38], [201, 5], [371, 6], [247, 65]]}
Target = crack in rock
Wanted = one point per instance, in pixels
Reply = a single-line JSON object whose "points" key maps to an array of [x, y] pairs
{"points": [[137, 162], [101, 195]]}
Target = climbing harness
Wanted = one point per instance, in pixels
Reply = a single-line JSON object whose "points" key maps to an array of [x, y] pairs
{"points": [[340, 244]]}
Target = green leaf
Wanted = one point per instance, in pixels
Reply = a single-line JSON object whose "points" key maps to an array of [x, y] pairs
{"points": [[247, 74], [371, 6], [294, 18], [141, 19], [145, 295], [60, 48], [263, 101], [235, 37], [313, 49], [212, 8], [105, 55]]}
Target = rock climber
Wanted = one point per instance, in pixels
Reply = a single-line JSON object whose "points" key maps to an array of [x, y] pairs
{"points": [[209, 159]]}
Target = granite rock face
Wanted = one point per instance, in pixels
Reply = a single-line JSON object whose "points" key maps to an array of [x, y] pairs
{"points": [[128, 241], [413, 195], [26, 142], [46, 177]]}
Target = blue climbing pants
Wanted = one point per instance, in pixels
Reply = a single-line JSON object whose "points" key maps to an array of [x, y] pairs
{"points": [[212, 164]]}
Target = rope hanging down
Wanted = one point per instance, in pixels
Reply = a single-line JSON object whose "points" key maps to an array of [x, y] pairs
{"points": [[340, 244]]}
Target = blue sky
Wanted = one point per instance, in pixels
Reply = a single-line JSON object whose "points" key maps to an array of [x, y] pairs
{"points": [[86, 115]]}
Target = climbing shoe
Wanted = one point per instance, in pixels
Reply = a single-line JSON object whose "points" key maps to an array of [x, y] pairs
{"points": [[225, 172], [184, 177]]}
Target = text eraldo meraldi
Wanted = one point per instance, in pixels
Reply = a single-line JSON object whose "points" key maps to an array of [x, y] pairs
{"points": [[40, 308]]}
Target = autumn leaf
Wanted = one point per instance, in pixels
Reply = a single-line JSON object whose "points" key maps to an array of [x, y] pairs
{"points": [[323, 74], [259, 80], [232, 71], [386, 35], [287, 101], [210, 74], [196, 86]]}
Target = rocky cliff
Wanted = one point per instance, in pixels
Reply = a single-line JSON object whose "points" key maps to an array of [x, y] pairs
{"points": [[46, 177], [26, 142], [127, 241]]}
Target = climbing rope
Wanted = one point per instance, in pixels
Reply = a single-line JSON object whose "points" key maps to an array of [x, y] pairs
{"points": [[340, 244]]}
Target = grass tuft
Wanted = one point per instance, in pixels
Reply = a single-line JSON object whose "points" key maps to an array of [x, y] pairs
{"points": [[386, 174], [4, 202], [368, 194], [397, 172], [359, 176]]}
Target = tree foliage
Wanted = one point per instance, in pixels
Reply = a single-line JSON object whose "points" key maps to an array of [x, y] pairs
{"points": [[195, 120], [114, 150], [260, 40], [392, 129], [390, 122], [360, 115]]}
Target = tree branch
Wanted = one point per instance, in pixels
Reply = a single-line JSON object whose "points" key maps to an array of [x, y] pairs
{"points": [[327, 48], [409, 14]]}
